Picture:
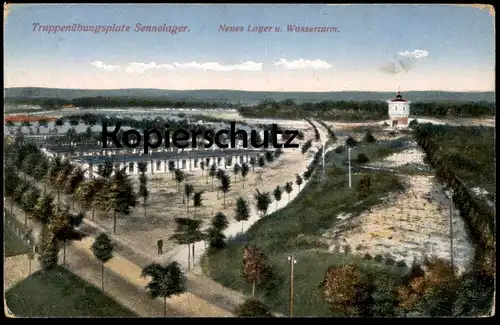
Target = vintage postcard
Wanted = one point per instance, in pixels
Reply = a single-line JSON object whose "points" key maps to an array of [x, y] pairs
{"points": [[189, 160]]}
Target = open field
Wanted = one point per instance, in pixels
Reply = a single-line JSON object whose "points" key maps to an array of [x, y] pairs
{"points": [[410, 224], [69, 296]]}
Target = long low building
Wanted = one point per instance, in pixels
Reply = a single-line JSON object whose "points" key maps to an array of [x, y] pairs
{"points": [[159, 162]]}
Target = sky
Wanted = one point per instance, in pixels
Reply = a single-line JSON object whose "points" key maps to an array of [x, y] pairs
{"points": [[365, 48]]}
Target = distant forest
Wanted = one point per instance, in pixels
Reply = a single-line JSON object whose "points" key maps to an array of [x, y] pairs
{"points": [[327, 110], [365, 110]]}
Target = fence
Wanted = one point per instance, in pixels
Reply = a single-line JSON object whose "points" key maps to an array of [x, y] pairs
{"points": [[20, 233]]}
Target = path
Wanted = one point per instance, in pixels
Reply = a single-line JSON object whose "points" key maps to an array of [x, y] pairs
{"points": [[123, 281]]}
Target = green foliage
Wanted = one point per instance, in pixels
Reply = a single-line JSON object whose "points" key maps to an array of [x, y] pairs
{"points": [[364, 110], [242, 210], [362, 158], [165, 281], [49, 254], [220, 221], [103, 248], [252, 308], [369, 138], [364, 187]]}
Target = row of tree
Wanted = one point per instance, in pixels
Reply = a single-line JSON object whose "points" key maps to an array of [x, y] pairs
{"points": [[364, 110], [439, 143]]}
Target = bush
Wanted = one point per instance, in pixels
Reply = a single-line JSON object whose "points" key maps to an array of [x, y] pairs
{"points": [[362, 158], [367, 257], [378, 258], [413, 123], [339, 149], [390, 261], [369, 137], [351, 142], [364, 189], [401, 264], [252, 308]]}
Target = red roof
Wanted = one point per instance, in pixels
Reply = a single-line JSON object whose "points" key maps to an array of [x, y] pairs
{"points": [[399, 98]]}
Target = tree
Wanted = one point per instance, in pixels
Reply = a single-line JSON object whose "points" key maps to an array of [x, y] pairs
{"points": [[351, 142], [165, 281], [49, 254], [188, 232], [363, 188], [11, 183], [262, 201], [103, 251], [120, 194], [216, 239], [298, 180], [220, 221], [269, 156], [242, 211], [347, 290], [61, 178], [255, 268], [179, 178], [107, 169], [29, 200], [143, 185], [369, 138], [43, 212], [197, 200], [262, 161], [212, 173], [362, 158], [40, 171], [253, 162], [171, 167], [63, 227], [252, 308], [54, 167], [225, 186], [88, 193], [288, 189], [74, 180], [18, 194], [188, 191], [244, 172], [236, 171], [202, 167], [433, 293], [277, 195]]}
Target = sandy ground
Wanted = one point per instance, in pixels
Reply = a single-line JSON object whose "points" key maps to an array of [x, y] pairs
{"points": [[407, 225]]}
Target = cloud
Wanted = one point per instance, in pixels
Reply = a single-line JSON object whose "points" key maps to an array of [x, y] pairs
{"points": [[404, 62], [142, 68], [106, 67], [302, 64], [415, 54]]}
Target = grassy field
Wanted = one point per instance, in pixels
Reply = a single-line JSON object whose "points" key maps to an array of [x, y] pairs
{"points": [[60, 293], [298, 229], [13, 245]]}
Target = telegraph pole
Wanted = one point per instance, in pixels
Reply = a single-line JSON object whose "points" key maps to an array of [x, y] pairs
{"points": [[292, 261], [323, 161], [349, 158], [451, 227]]}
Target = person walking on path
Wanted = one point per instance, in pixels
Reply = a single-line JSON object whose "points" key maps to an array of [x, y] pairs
{"points": [[160, 246]]}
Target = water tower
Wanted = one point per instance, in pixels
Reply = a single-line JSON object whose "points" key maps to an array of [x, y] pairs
{"points": [[399, 111]]}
